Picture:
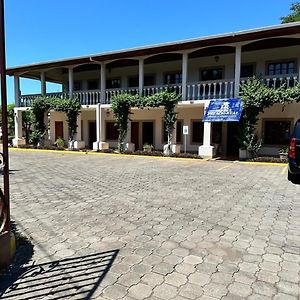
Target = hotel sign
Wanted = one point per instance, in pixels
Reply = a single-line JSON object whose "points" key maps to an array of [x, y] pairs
{"points": [[224, 110]]}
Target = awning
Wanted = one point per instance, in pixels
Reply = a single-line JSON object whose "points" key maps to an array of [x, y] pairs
{"points": [[224, 110]]}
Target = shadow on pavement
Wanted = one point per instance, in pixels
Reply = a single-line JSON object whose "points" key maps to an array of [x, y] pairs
{"points": [[65, 278], [23, 255]]}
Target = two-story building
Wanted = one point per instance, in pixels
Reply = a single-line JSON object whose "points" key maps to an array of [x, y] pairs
{"points": [[199, 69]]}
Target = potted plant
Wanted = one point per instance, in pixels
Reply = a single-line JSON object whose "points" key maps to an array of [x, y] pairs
{"points": [[283, 152], [60, 143], [249, 144], [148, 147]]}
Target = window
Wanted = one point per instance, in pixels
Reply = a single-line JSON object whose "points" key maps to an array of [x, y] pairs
{"points": [[111, 131], [217, 132], [197, 132], [211, 74], [280, 68], [134, 81], [77, 86], [113, 83], [149, 80], [92, 85], [173, 78], [178, 133], [277, 132], [247, 70]]}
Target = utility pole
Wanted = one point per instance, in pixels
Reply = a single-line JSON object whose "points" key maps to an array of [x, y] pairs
{"points": [[5, 232]]}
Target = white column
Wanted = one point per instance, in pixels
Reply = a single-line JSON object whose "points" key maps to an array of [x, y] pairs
{"points": [[103, 83], [18, 140], [237, 73], [100, 130], [98, 122], [71, 82], [78, 143], [141, 76], [207, 134], [206, 150], [128, 145], [43, 83], [17, 90], [184, 74]]}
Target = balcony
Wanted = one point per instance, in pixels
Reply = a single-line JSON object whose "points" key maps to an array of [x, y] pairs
{"points": [[204, 90]]}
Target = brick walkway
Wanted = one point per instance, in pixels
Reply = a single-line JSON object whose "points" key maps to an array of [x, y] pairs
{"points": [[110, 227]]}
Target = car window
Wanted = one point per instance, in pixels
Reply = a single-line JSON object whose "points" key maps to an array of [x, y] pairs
{"points": [[297, 130]]}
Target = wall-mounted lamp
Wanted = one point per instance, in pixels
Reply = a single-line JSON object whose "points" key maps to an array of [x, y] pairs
{"points": [[107, 112], [217, 58]]}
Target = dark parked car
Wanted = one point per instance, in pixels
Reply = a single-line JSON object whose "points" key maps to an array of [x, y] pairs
{"points": [[294, 154]]}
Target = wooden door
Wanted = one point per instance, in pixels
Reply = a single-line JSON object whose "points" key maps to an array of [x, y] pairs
{"points": [[92, 134], [148, 133], [59, 130], [135, 134]]}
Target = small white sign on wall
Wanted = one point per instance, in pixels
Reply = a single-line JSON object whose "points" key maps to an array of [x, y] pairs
{"points": [[185, 130]]}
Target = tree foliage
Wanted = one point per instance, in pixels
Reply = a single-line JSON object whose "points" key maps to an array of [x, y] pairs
{"points": [[42, 105], [256, 98], [122, 103], [294, 15]]}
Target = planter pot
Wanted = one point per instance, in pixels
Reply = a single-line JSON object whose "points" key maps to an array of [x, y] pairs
{"points": [[244, 154], [283, 156], [147, 149]]}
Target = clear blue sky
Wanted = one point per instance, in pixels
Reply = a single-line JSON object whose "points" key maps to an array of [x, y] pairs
{"points": [[42, 30]]}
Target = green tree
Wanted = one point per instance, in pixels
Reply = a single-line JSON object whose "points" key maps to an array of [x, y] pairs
{"points": [[11, 121], [121, 105], [294, 16], [27, 121]]}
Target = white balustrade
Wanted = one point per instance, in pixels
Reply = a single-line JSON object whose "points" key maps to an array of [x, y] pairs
{"points": [[281, 80], [209, 90], [202, 90]]}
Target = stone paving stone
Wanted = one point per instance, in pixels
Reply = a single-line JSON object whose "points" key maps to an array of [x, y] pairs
{"points": [[140, 291], [129, 279], [153, 279], [288, 288], [165, 291], [223, 278], [199, 278], [240, 289], [115, 291], [210, 238], [264, 288], [176, 279], [191, 291], [186, 269], [267, 276], [282, 296], [193, 260], [215, 290], [163, 268]]}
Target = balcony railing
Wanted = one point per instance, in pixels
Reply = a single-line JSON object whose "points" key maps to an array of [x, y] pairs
{"points": [[202, 90]]}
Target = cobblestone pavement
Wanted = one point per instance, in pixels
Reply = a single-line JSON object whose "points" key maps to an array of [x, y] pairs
{"points": [[111, 227]]}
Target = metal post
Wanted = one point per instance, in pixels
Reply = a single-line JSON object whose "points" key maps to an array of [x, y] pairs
{"points": [[4, 116], [185, 143]]}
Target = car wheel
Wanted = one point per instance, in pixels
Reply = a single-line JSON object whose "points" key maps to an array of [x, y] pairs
{"points": [[292, 177]]}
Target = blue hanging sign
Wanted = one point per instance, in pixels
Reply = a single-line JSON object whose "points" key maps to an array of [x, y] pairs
{"points": [[224, 110]]}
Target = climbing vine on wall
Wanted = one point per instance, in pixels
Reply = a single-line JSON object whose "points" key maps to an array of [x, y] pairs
{"points": [[122, 104], [256, 98], [42, 105]]}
